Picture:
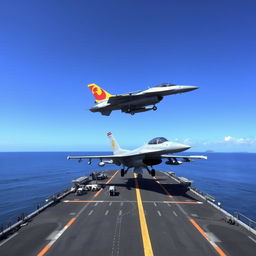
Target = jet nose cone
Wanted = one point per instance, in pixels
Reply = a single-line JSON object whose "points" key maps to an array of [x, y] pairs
{"points": [[194, 87], [189, 88], [186, 147], [183, 147], [175, 147]]}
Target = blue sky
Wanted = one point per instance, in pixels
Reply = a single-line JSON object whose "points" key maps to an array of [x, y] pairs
{"points": [[51, 50]]}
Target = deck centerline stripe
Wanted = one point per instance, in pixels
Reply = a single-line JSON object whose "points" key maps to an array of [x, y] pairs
{"points": [[213, 244], [143, 223]]}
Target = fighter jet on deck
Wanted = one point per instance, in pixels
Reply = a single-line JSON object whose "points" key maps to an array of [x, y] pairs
{"points": [[134, 102], [141, 158]]}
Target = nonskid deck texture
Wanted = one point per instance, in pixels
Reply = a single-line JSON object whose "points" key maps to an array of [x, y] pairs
{"points": [[150, 216]]}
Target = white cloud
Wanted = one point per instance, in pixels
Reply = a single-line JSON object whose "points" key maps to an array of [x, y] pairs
{"points": [[226, 144], [249, 141], [228, 138]]}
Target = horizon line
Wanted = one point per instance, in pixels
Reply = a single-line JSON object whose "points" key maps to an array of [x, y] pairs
{"points": [[59, 151]]}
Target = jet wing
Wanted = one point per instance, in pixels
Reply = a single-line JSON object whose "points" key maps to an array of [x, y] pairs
{"points": [[114, 157], [184, 157], [95, 157], [115, 99], [111, 159], [152, 154]]}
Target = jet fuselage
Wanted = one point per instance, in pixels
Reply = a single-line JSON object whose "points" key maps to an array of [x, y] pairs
{"points": [[138, 102], [139, 157]]}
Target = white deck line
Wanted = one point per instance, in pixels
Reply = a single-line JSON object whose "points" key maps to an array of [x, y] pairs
{"points": [[216, 207], [9, 238]]}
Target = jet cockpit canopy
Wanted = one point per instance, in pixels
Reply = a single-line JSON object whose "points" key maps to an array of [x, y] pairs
{"points": [[165, 85], [157, 140]]}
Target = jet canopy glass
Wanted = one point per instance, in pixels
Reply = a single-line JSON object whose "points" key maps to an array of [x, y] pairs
{"points": [[165, 85], [158, 140]]}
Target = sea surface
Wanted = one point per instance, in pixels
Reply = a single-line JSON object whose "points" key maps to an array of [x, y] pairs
{"points": [[27, 179]]}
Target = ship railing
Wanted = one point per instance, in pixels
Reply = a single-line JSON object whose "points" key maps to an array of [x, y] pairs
{"points": [[251, 223], [237, 217], [23, 219], [208, 197]]}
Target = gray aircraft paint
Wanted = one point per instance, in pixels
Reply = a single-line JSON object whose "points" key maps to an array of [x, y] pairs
{"points": [[136, 102], [141, 158]]}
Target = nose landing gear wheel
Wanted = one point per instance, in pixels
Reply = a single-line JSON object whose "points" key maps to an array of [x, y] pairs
{"points": [[122, 172], [153, 172], [154, 108]]}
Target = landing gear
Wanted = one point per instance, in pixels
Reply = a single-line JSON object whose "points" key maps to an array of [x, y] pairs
{"points": [[152, 172], [129, 111], [122, 172], [154, 108]]}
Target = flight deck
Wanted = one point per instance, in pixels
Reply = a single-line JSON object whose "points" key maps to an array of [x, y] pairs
{"points": [[147, 216]]}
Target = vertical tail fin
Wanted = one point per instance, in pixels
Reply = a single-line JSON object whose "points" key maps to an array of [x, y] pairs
{"points": [[115, 146], [98, 93]]}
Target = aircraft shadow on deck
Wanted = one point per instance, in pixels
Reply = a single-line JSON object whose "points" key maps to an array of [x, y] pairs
{"points": [[151, 185]]}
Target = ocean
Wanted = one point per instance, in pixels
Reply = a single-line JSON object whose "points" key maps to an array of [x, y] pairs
{"points": [[28, 178]]}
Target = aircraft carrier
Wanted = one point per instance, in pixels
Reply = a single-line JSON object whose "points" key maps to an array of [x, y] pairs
{"points": [[148, 216]]}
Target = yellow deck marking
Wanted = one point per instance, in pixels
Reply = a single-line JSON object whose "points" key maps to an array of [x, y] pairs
{"points": [[143, 223], [105, 184], [70, 222], [45, 249], [163, 188], [217, 248]]}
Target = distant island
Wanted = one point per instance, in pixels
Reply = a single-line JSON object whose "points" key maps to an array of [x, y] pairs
{"points": [[209, 151]]}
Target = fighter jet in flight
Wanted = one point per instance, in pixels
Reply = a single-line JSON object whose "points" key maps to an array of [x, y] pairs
{"points": [[134, 102], [143, 157]]}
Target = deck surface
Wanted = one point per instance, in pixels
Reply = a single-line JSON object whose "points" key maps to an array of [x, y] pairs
{"points": [[150, 216]]}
